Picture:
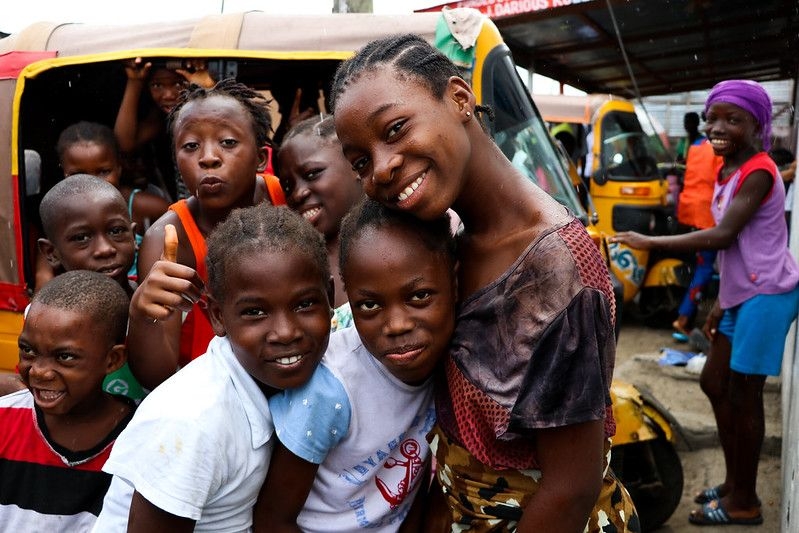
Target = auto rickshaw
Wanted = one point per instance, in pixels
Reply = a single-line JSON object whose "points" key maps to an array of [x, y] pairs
{"points": [[625, 171]]}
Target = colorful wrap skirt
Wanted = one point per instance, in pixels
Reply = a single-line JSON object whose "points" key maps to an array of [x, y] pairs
{"points": [[473, 497]]}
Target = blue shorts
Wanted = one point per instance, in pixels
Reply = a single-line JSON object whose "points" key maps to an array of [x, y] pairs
{"points": [[757, 329]]}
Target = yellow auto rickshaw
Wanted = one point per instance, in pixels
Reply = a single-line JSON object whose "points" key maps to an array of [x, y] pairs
{"points": [[624, 170]]}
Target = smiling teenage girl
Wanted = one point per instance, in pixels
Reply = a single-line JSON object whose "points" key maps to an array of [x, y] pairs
{"points": [[523, 405], [758, 294]]}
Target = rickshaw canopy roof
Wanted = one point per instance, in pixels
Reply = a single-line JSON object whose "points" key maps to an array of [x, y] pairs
{"points": [[235, 31], [573, 108]]}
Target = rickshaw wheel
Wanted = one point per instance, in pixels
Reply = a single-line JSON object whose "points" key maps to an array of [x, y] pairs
{"points": [[658, 305], [652, 473]]}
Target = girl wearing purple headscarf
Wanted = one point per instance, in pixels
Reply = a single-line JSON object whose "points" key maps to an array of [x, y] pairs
{"points": [[758, 294]]}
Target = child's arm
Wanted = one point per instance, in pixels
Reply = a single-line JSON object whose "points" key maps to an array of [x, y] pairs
{"points": [[570, 459], [284, 492], [311, 420], [147, 208], [166, 289], [147, 518], [130, 133], [742, 208]]}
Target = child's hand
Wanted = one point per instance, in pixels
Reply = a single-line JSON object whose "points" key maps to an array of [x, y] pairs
{"points": [[632, 239], [196, 72], [296, 114], [137, 69], [170, 244], [711, 326], [169, 286]]}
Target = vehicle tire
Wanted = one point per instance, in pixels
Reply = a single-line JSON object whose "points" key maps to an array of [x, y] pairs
{"points": [[658, 306], [656, 493]]}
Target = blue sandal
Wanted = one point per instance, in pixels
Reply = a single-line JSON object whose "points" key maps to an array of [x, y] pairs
{"points": [[708, 495], [713, 514]]}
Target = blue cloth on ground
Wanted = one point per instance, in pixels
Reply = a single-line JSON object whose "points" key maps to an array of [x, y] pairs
{"points": [[672, 357]]}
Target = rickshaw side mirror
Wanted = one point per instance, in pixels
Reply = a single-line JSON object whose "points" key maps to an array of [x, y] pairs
{"points": [[600, 177], [33, 173]]}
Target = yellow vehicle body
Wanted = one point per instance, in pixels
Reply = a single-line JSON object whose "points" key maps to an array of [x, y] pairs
{"points": [[623, 178]]}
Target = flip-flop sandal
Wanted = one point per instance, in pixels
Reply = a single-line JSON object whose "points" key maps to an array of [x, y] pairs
{"points": [[708, 495], [713, 514], [679, 337], [713, 493]]}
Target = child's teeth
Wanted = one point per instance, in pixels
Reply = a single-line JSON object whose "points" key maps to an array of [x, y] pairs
{"points": [[410, 188], [289, 360], [49, 395], [311, 213]]}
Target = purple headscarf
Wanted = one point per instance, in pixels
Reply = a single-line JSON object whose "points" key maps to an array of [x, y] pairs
{"points": [[748, 95]]}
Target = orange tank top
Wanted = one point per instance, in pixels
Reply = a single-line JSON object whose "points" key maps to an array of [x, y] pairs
{"points": [[196, 331]]}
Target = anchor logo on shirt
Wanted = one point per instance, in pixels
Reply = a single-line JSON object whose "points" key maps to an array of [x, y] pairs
{"points": [[412, 465]]}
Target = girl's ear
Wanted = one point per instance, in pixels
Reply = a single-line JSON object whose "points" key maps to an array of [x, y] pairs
{"points": [[48, 250], [461, 93], [215, 314], [263, 158], [115, 358]]}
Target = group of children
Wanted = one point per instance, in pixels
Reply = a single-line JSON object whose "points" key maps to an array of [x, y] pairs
{"points": [[495, 356]]}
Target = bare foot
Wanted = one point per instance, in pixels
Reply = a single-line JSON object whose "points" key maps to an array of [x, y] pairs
{"points": [[681, 325]]}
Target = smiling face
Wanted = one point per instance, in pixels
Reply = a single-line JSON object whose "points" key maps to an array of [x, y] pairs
{"points": [[64, 355], [94, 159], [276, 314], [216, 152], [319, 182], [92, 233], [410, 148], [403, 303], [731, 129]]}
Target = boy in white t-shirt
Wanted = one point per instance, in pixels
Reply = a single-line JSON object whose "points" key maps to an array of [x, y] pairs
{"points": [[352, 452], [198, 449]]}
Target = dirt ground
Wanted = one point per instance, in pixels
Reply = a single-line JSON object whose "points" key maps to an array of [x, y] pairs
{"points": [[636, 361]]}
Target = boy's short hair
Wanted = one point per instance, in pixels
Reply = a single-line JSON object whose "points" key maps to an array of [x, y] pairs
{"points": [[90, 293], [86, 132], [262, 227], [435, 235], [75, 185]]}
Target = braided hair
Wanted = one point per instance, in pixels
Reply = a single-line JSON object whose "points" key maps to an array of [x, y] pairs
{"points": [[410, 55], [253, 102]]}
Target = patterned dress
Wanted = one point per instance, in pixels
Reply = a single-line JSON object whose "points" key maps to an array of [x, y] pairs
{"points": [[534, 349]]}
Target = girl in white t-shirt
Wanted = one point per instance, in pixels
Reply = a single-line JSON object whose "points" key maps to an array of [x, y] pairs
{"points": [[352, 451]]}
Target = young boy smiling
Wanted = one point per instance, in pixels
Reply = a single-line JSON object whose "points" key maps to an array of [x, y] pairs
{"points": [[58, 432]]}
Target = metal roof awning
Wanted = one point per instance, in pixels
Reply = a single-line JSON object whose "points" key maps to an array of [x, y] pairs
{"points": [[672, 45]]}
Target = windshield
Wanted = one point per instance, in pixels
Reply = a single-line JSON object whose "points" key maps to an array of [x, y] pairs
{"points": [[627, 152], [521, 134]]}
